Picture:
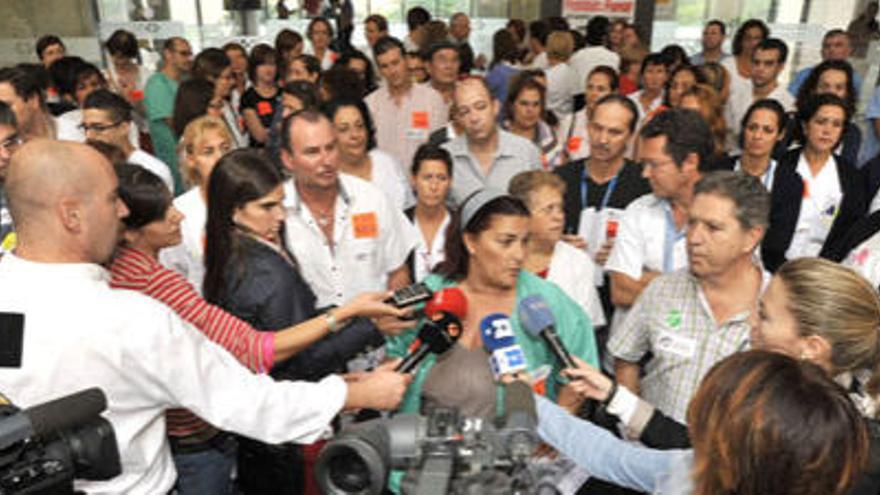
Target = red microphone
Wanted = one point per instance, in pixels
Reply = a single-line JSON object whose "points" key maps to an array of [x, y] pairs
{"points": [[450, 300]]}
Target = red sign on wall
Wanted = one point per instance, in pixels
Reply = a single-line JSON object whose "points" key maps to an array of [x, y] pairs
{"points": [[615, 8]]}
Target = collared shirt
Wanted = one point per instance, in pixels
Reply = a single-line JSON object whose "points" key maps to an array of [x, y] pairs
{"points": [[738, 104], [514, 155], [159, 103], [187, 258], [700, 58], [819, 206], [146, 360], [645, 110], [371, 238], [153, 164], [672, 319], [643, 241], [401, 129]]}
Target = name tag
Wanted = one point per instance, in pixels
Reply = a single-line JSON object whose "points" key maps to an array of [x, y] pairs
{"points": [[264, 108], [136, 95], [420, 120], [366, 225], [671, 343], [574, 144]]}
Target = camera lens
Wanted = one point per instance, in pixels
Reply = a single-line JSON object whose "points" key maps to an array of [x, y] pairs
{"points": [[348, 471]]}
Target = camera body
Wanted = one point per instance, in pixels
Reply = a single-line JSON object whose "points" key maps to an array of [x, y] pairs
{"points": [[44, 462], [441, 453]]}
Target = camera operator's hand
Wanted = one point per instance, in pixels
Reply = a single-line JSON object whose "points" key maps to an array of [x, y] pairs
{"points": [[380, 389]]}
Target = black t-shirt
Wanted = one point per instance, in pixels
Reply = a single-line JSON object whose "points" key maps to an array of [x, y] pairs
{"points": [[630, 185], [264, 107]]}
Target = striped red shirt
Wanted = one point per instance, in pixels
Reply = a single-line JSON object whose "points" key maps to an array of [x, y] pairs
{"points": [[134, 270]]}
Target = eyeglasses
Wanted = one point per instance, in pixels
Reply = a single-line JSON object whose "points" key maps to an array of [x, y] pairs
{"points": [[99, 127], [11, 143]]}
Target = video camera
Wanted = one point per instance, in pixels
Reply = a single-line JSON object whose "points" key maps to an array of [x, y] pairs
{"points": [[44, 448], [441, 453]]}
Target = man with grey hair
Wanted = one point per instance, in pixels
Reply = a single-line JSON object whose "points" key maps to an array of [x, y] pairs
{"points": [[692, 318]]}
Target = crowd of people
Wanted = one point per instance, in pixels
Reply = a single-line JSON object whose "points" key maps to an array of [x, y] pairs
{"points": [[214, 242]]}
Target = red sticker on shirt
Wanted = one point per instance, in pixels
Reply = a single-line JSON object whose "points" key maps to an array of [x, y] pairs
{"points": [[420, 120], [136, 95], [264, 108], [574, 143], [366, 225], [806, 189]]}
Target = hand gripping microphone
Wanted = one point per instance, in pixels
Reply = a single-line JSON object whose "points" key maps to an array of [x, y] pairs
{"points": [[507, 357], [536, 318], [435, 336], [450, 300]]}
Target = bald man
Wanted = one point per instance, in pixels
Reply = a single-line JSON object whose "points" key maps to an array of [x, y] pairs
{"points": [[485, 155], [79, 333]]}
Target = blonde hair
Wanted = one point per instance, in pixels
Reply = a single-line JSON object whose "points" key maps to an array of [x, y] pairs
{"points": [[712, 110], [839, 305], [560, 45], [523, 184], [194, 132]]}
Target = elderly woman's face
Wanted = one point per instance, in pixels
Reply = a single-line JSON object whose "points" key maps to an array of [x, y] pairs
{"points": [[497, 254]]}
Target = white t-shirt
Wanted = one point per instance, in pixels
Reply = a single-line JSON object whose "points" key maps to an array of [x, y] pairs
{"points": [[387, 175], [572, 269], [153, 164], [561, 88], [819, 206], [187, 258]]}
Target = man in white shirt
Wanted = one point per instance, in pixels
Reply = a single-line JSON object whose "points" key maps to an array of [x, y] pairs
{"points": [[404, 113], [107, 117], [594, 54], [79, 333], [343, 229], [768, 61], [650, 238]]}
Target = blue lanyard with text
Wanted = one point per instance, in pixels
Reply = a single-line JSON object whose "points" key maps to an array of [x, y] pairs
{"points": [[585, 189], [672, 236]]}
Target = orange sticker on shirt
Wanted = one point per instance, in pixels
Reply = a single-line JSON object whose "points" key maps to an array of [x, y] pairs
{"points": [[366, 225], [806, 189], [420, 120], [264, 108], [574, 143], [136, 95]]}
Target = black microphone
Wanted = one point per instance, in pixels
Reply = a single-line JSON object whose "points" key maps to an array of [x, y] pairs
{"points": [[537, 319], [436, 336], [520, 420], [52, 417]]}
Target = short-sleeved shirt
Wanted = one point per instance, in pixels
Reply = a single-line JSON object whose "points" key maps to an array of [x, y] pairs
{"points": [[515, 154], [400, 130], [645, 241], [371, 239], [265, 109], [672, 320], [159, 102]]}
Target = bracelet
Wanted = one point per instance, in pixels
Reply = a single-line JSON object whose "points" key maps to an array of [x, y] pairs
{"points": [[332, 324], [611, 393]]}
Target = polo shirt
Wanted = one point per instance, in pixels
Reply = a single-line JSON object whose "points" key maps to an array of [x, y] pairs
{"points": [[515, 154], [672, 320], [371, 238]]}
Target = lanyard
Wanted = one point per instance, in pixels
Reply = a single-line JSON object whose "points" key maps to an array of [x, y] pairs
{"points": [[585, 189], [672, 236], [768, 175]]}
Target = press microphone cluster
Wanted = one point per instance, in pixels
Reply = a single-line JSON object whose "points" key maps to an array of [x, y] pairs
{"points": [[537, 319], [444, 311], [506, 357]]}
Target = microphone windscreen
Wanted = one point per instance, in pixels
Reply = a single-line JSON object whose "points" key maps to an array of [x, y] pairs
{"points": [[66, 412], [496, 332], [449, 300], [535, 315]]}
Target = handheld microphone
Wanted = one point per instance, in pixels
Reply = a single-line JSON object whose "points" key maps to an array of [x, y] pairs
{"points": [[538, 320], [520, 420], [434, 337], [507, 357], [449, 300], [52, 417]]}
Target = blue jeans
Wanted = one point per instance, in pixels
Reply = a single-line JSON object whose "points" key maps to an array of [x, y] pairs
{"points": [[208, 471]]}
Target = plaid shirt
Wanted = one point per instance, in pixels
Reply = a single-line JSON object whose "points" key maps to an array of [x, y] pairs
{"points": [[672, 320]]}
